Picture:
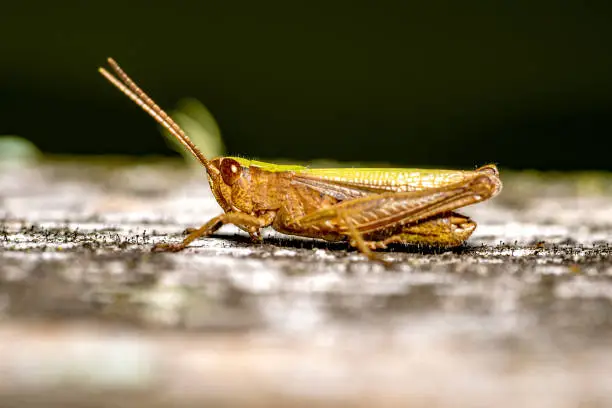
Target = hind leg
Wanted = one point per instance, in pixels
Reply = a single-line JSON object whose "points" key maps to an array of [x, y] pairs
{"points": [[448, 230]]}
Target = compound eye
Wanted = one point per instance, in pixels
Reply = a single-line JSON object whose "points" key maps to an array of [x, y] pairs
{"points": [[230, 171]]}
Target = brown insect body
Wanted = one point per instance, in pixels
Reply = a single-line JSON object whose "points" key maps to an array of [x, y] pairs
{"points": [[287, 198], [370, 208]]}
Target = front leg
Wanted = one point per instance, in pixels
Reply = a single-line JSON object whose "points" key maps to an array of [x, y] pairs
{"points": [[250, 223]]}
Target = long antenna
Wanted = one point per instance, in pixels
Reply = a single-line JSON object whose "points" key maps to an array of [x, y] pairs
{"points": [[132, 91]]}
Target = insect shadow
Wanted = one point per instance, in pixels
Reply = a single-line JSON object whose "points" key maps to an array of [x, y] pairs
{"points": [[313, 244]]}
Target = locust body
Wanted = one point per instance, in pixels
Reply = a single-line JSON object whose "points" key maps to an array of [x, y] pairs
{"points": [[369, 208]]}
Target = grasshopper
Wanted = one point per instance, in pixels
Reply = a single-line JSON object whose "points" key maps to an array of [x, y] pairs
{"points": [[368, 207]]}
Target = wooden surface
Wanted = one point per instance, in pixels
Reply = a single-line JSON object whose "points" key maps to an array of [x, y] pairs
{"points": [[521, 316]]}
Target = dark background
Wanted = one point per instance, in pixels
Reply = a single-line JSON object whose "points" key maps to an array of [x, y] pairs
{"points": [[522, 84]]}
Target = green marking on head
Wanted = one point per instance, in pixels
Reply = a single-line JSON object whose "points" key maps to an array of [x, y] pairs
{"points": [[271, 167]]}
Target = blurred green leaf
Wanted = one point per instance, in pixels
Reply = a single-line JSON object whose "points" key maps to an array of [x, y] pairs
{"points": [[201, 127], [17, 149]]}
